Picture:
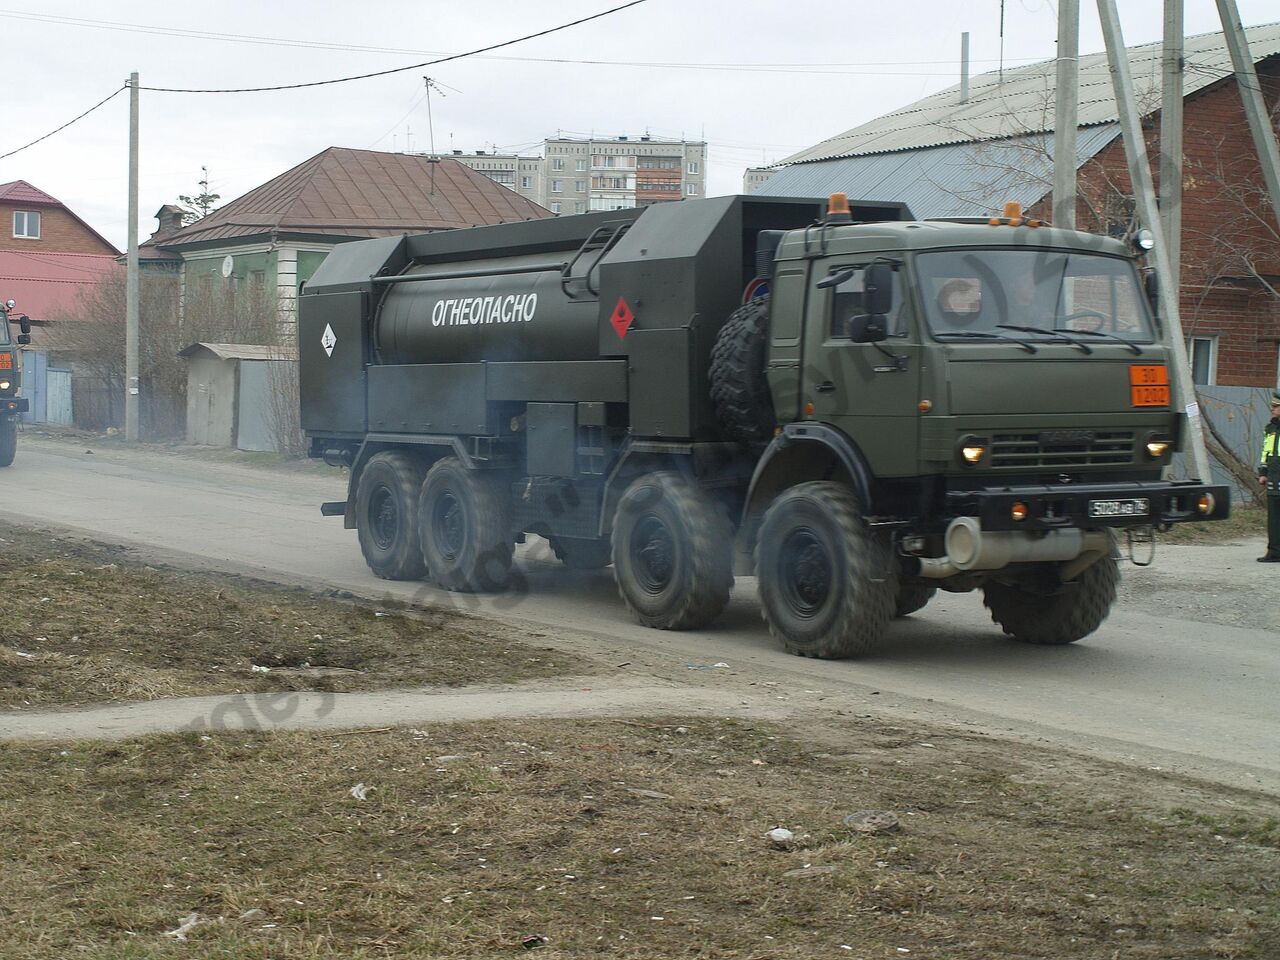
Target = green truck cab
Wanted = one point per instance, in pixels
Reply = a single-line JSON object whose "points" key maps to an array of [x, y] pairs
{"points": [[11, 405], [858, 407]]}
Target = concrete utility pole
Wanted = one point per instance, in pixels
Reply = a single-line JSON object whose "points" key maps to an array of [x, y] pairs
{"points": [[132, 282], [1255, 108], [1135, 151], [964, 67], [1171, 102], [1067, 110]]}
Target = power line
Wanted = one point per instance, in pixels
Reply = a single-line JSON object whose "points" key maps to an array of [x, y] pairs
{"points": [[115, 93], [414, 66], [360, 48]]}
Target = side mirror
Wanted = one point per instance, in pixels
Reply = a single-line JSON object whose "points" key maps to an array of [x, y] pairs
{"points": [[878, 293], [24, 339], [1151, 284], [868, 328], [24, 323]]}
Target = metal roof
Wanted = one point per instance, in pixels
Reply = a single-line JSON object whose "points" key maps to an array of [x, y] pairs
{"points": [[1023, 102], [236, 351], [960, 180], [362, 193]]}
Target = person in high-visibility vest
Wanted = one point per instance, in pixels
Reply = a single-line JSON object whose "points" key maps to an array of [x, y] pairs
{"points": [[1269, 474]]}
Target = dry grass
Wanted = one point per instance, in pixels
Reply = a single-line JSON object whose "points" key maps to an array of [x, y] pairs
{"points": [[82, 623], [1244, 522], [472, 837]]}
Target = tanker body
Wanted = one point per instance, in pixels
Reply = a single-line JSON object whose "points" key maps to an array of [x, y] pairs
{"points": [[858, 407]]}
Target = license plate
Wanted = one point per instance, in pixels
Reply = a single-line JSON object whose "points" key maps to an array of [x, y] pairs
{"points": [[1119, 508]]}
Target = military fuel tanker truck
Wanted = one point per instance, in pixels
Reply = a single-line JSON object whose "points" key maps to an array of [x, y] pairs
{"points": [[858, 407]]}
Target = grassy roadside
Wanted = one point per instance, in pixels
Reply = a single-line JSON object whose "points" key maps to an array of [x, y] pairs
{"points": [[82, 622], [1245, 522], [622, 839]]}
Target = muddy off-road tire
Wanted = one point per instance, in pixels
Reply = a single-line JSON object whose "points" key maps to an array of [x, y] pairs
{"points": [[672, 553], [827, 585], [739, 387], [464, 528], [8, 441], [912, 597], [1057, 618], [387, 516], [579, 554]]}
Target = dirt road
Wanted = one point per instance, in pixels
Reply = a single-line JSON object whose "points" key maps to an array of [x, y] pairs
{"points": [[1184, 676]]}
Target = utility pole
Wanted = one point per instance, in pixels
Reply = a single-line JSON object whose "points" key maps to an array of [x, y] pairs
{"points": [[1255, 109], [964, 67], [1067, 110], [1135, 151], [1174, 65], [132, 283]]}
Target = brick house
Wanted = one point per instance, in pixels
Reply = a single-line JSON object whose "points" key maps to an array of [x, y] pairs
{"points": [[945, 157], [47, 253]]}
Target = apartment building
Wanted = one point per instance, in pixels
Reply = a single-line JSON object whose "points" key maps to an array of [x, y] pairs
{"points": [[578, 176]]}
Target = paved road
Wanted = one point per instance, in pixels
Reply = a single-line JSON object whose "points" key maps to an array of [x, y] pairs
{"points": [[1153, 688]]}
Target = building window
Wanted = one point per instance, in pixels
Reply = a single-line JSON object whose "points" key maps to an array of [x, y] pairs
{"points": [[693, 166], [26, 223], [1202, 353], [580, 186], [526, 183], [690, 189], [555, 207], [579, 207], [557, 164], [580, 164], [557, 186]]}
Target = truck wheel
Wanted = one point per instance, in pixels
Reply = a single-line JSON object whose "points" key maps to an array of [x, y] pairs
{"points": [[1057, 618], [578, 554], [912, 597], [387, 516], [464, 528], [8, 442], [739, 387], [672, 553], [827, 585]]}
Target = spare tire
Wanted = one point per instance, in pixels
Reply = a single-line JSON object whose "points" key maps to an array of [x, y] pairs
{"points": [[739, 387]]}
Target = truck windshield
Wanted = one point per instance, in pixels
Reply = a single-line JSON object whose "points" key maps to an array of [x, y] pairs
{"points": [[1036, 292]]}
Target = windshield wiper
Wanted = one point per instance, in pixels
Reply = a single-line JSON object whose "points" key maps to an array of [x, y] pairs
{"points": [[1137, 350], [1061, 335], [981, 335]]}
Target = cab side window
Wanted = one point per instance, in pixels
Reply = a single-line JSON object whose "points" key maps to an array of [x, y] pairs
{"points": [[847, 301]]}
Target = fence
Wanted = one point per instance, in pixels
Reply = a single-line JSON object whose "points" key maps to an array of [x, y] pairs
{"points": [[1238, 416]]}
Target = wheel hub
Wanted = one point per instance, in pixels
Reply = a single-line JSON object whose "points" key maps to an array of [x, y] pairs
{"points": [[806, 572], [449, 524], [385, 516], [653, 554]]}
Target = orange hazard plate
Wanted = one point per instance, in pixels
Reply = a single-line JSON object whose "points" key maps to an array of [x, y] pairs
{"points": [[1149, 385]]}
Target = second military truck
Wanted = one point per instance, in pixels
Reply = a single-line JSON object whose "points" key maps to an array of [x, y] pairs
{"points": [[858, 407]]}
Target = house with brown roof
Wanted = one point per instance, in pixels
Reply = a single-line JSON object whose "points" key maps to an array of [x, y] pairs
{"points": [[275, 236], [48, 254]]}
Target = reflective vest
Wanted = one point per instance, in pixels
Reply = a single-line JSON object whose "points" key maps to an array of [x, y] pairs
{"points": [[1269, 462]]}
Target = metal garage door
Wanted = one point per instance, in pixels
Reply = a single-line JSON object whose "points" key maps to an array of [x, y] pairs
{"points": [[58, 396]]}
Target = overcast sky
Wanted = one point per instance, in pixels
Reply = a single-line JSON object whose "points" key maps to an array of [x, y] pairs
{"points": [[757, 79]]}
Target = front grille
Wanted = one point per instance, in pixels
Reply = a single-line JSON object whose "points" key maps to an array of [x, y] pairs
{"points": [[1053, 449]]}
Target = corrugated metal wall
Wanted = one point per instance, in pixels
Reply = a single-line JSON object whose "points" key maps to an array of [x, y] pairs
{"points": [[1238, 414]]}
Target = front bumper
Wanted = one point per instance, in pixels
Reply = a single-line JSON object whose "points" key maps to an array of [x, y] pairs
{"points": [[1085, 506]]}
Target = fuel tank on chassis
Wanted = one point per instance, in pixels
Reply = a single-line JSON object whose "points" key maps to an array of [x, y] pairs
{"points": [[502, 317]]}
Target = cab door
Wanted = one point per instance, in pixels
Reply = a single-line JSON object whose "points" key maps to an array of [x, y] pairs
{"points": [[870, 391]]}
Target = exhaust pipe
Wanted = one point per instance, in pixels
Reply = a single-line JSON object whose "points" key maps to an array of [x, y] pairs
{"points": [[969, 549]]}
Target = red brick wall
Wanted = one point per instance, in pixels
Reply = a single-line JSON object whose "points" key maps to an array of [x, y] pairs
{"points": [[60, 232], [1225, 211]]}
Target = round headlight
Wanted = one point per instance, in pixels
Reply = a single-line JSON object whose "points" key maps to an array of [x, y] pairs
{"points": [[5, 384], [1144, 239]]}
